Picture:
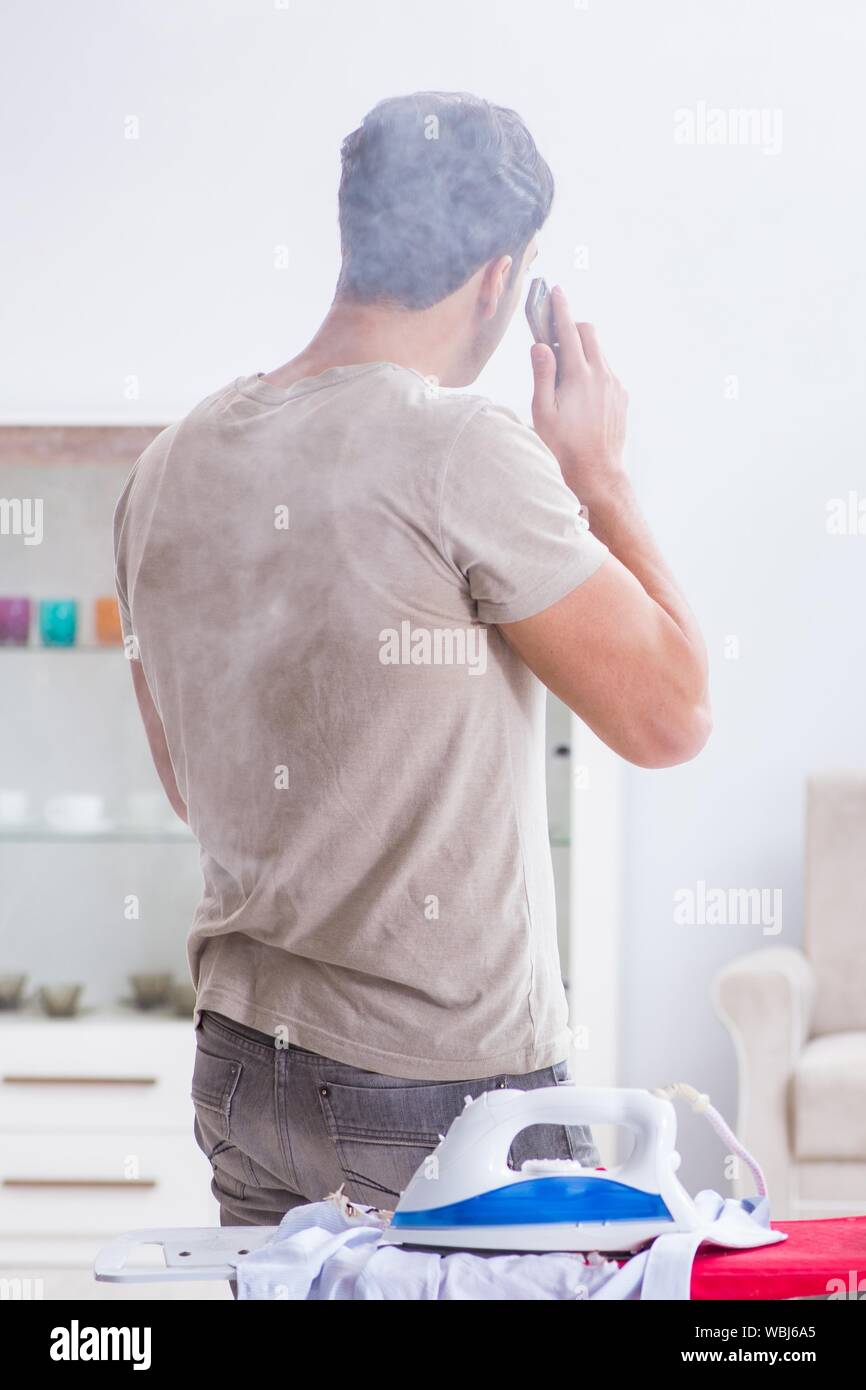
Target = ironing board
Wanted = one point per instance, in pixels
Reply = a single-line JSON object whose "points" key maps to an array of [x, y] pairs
{"points": [[803, 1266]]}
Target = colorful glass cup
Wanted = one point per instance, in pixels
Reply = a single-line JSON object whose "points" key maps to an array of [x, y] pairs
{"points": [[58, 621], [107, 621], [14, 620]]}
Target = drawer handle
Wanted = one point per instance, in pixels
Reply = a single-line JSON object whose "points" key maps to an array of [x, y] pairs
{"points": [[79, 1182], [79, 1080]]}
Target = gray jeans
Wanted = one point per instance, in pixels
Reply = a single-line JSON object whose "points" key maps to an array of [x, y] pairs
{"points": [[282, 1126]]}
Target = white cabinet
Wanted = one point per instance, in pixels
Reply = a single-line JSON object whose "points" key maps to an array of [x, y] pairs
{"points": [[95, 1134]]}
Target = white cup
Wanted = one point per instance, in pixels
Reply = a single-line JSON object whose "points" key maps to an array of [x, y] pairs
{"points": [[75, 812], [14, 807]]}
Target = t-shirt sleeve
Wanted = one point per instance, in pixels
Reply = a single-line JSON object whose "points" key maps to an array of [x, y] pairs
{"points": [[508, 521]]}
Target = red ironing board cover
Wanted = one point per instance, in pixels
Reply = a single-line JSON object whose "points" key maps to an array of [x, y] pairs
{"points": [[815, 1253]]}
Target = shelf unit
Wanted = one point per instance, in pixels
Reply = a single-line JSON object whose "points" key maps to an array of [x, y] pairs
{"points": [[95, 1114], [120, 835]]}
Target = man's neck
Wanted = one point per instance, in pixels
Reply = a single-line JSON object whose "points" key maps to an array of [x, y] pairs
{"points": [[355, 333]]}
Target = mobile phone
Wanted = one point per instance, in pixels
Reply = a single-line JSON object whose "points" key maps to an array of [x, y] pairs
{"points": [[539, 312]]}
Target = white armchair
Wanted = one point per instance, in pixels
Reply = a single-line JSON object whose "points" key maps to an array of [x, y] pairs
{"points": [[798, 1022]]}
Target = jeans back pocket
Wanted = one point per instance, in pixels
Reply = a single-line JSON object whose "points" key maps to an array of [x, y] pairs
{"points": [[214, 1082]]}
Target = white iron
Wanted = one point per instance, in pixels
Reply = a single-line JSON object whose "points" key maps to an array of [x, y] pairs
{"points": [[465, 1195]]}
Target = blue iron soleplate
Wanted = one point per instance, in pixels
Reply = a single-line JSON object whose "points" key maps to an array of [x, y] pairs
{"points": [[541, 1200]]}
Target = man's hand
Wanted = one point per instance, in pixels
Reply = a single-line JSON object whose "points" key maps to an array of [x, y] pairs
{"points": [[582, 418]]}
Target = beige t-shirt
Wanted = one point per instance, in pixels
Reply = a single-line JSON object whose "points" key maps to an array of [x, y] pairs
{"points": [[313, 576]]}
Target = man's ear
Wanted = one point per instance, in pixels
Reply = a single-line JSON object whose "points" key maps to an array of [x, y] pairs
{"points": [[494, 283]]}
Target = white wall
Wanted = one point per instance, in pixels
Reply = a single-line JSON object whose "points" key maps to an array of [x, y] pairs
{"points": [[154, 259]]}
